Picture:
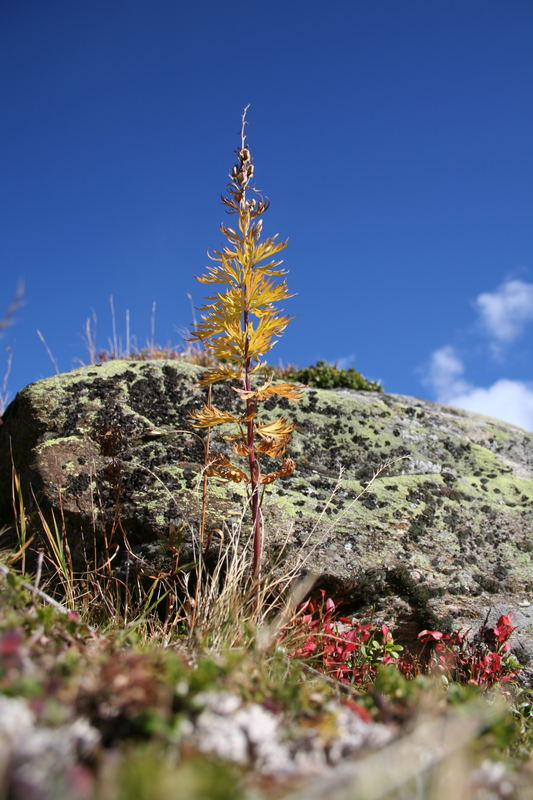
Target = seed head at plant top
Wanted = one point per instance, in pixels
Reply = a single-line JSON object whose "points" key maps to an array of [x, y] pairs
{"points": [[239, 324]]}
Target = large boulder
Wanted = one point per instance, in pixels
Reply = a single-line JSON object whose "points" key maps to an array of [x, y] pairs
{"points": [[411, 507]]}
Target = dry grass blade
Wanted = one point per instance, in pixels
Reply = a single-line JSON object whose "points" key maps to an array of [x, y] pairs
{"points": [[5, 321], [4, 393], [7, 318], [5, 571], [48, 352], [125, 347], [228, 605]]}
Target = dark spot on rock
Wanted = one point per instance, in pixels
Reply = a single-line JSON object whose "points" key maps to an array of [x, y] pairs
{"points": [[77, 484], [487, 583], [369, 500]]}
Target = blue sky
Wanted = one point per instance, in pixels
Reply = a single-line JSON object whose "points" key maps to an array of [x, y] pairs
{"points": [[394, 141]]}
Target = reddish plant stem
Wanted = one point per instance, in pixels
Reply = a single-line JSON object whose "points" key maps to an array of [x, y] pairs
{"points": [[205, 479], [252, 458]]}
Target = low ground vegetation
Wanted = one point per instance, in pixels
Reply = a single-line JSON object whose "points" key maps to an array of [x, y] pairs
{"points": [[142, 697]]}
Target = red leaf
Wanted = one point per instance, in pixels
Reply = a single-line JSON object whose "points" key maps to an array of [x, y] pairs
{"points": [[361, 712], [385, 633], [435, 635], [504, 628]]}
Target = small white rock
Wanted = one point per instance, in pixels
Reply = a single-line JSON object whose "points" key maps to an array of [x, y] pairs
{"points": [[16, 720]]}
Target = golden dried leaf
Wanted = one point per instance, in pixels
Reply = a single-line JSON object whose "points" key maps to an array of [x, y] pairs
{"points": [[271, 269], [221, 373], [258, 367], [272, 447], [208, 416], [222, 467], [267, 249], [227, 202], [264, 293], [220, 273], [262, 339], [288, 390], [279, 429], [232, 235], [241, 449], [287, 468]]}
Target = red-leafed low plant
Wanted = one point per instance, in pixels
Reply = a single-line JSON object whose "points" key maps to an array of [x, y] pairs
{"points": [[352, 651], [484, 659], [343, 648]]}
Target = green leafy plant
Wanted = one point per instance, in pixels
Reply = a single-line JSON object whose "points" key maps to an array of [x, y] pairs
{"points": [[328, 376], [239, 324]]}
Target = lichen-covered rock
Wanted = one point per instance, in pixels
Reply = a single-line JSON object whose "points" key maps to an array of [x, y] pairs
{"points": [[42, 762], [409, 506], [251, 735]]}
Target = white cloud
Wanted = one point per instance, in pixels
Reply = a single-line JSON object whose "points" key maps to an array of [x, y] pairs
{"points": [[444, 374], [505, 312], [508, 400]]}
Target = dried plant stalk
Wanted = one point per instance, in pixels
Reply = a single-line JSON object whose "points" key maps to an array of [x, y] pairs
{"points": [[238, 325]]}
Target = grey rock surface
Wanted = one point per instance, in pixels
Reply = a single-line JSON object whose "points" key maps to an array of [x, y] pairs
{"points": [[415, 510]]}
